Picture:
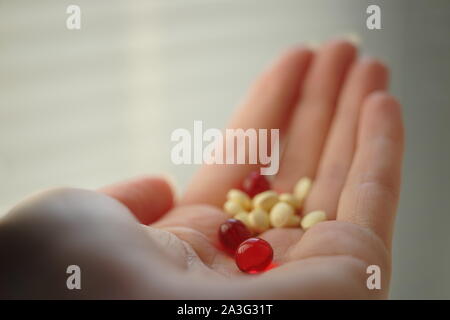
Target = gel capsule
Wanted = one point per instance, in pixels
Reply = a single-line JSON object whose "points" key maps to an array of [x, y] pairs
{"points": [[232, 233], [255, 183], [254, 255]]}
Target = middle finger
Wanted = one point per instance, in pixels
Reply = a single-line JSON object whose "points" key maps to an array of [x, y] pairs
{"points": [[312, 118]]}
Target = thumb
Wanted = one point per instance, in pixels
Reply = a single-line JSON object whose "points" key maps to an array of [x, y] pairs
{"points": [[147, 197]]}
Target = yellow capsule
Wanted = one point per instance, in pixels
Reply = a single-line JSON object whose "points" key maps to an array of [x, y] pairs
{"points": [[265, 200], [258, 220], [243, 217], [289, 199], [232, 208], [280, 215], [241, 198], [301, 190], [313, 218]]}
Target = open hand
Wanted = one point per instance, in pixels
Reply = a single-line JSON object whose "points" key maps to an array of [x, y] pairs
{"points": [[340, 127]]}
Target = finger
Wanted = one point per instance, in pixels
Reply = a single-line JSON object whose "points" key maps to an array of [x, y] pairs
{"points": [[312, 118], [268, 107], [148, 198], [365, 77], [371, 193]]}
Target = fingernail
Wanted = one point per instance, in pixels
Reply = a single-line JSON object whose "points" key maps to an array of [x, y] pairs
{"points": [[312, 45], [353, 38]]}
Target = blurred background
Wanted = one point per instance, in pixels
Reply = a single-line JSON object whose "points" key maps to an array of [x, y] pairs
{"points": [[92, 106]]}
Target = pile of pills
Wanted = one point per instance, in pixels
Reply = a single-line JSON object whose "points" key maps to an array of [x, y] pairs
{"points": [[255, 208]]}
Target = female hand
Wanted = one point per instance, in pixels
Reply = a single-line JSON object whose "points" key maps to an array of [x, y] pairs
{"points": [[340, 127]]}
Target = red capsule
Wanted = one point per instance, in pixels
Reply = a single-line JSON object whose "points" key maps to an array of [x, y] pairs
{"points": [[255, 183], [254, 255], [232, 233]]}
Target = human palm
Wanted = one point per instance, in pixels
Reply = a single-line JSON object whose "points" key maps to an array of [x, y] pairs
{"points": [[339, 126]]}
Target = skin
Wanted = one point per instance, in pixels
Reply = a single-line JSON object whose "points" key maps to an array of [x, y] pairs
{"points": [[339, 126]]}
